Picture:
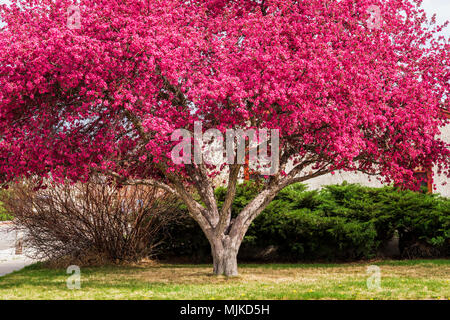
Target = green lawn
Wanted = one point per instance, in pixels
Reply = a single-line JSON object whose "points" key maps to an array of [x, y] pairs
{"points": [[418, 279]]}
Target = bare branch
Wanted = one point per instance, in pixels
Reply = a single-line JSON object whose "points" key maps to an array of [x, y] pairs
{"points": [[148, 182]]}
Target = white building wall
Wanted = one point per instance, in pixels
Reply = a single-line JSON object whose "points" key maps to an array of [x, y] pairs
{"points": [[439, 180]]}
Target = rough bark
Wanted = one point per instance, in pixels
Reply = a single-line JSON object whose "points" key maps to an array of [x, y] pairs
{"points": [[224, 253]]}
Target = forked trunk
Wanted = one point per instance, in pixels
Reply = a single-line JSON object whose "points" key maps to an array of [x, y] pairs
{"points": [[226, 234]]}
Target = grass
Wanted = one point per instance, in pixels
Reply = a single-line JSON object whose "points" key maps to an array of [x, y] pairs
{"points": [[417, 279], [4, 216]]}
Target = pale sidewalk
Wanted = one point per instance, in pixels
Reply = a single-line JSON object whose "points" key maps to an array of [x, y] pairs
{"points": [[9, 261]]}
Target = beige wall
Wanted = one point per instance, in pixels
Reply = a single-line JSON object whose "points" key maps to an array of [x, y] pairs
{"points": [[339, 177]]}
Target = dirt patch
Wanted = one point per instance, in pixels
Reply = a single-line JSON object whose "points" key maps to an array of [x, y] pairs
{"points": [[189, 275]]}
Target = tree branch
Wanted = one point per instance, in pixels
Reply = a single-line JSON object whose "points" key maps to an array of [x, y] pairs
{"points": [[148, 182], [225, 212]]}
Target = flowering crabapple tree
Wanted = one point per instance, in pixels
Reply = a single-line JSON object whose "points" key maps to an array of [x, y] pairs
{"points": [[345, 90]]}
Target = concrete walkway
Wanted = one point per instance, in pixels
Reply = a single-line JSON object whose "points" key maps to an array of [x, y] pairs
{"points": [[14, 265], [7, 236], [9, 261]]}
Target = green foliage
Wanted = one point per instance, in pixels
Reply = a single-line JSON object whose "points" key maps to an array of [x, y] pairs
{"points": [[184, 238], [340, 222], [245, 192], [4, 215], [307, 225]]}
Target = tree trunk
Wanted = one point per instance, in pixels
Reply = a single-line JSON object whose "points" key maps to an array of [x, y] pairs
{"points": [[225, 258]]}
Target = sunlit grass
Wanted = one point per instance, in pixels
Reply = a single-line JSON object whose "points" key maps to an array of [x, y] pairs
{"points": [[417, 279]]}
